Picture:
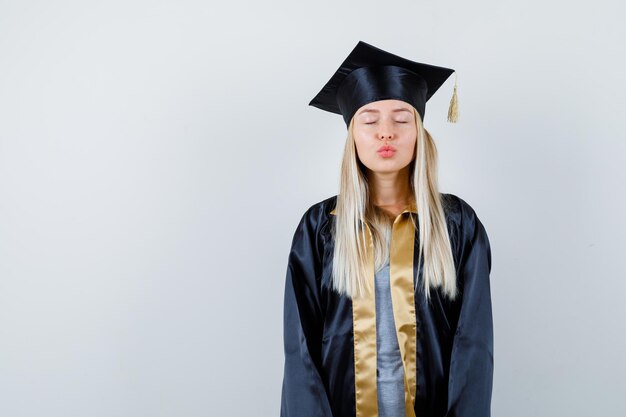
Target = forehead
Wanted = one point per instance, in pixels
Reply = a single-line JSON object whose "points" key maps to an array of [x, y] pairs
{"points": [[390, 105]]}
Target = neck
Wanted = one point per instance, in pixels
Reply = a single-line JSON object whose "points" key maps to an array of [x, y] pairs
{"points": [[390, 188]]}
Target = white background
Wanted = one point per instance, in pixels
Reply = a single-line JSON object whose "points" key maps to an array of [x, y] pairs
{"points": [[156, 156]]}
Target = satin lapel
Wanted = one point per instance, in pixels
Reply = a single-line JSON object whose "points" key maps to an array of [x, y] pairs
{"points": [[364, 319], [403, 300], [364, 326]]}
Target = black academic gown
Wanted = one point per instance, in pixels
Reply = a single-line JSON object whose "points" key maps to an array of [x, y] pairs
{"points": [[453, 339]]}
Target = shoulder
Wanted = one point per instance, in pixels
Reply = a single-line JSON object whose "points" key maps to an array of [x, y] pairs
{"points": [[467, 229], [316, 221], [464, 225], [321, 210], [458, 211]]}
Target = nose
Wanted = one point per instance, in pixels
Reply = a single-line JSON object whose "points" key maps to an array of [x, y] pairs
{"points": [[385, 132]]}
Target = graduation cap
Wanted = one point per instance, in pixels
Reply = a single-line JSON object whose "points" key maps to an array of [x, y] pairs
{"points": [[370, 74]]}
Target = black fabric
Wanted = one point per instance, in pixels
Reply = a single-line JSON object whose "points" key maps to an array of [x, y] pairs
{"points": [[370, 74], [454, 348]]}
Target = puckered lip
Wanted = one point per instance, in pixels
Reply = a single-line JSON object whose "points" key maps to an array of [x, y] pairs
{"points": [[386, 148]]}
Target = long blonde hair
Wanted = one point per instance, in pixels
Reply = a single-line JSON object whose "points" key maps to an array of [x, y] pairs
{"points": [[354, 204]]}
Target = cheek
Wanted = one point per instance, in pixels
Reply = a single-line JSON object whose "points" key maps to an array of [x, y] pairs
{"points": [[358, 145], [409, 139], [359, 135], [364, 151], [410, 147], [361, 142]]}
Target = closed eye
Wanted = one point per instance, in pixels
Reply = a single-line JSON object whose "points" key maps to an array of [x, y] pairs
{"points": [[397, 121]]}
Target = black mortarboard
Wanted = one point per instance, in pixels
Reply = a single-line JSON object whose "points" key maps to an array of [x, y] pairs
{"points": [[370, 74]]}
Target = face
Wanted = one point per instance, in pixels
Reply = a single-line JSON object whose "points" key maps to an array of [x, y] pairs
{"points": [[385, 135]]}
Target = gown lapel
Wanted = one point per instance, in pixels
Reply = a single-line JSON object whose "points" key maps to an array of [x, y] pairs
{"points": [[364, 318]]}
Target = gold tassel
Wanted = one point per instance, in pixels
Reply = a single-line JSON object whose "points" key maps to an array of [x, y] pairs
{"points": [[453, 110]]}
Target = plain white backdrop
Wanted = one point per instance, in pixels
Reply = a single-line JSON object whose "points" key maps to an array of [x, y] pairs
{"points": [[156, 156]]}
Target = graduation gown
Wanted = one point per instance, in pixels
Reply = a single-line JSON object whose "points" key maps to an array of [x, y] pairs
{"points": [[330, 341]]}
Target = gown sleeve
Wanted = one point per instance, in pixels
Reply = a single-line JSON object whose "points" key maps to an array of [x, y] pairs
{"points": [[303, 392], [471, 365]]}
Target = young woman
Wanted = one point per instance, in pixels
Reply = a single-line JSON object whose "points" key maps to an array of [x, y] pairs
{"points": [[387, 296]]}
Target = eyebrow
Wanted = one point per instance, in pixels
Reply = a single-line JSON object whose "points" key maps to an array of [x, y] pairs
{"points": [[376, 111]]}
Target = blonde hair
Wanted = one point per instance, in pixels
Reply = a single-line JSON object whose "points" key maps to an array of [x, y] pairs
{"points": [[354, 204]]}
